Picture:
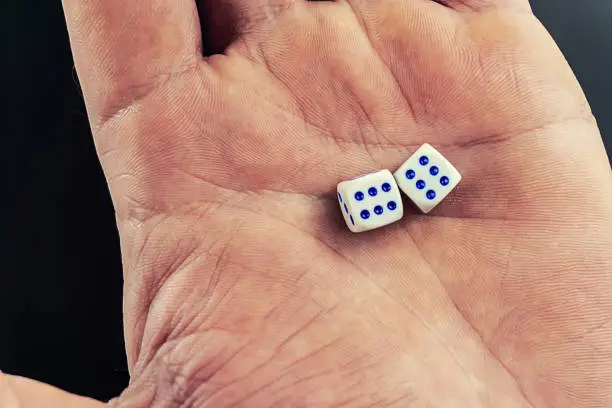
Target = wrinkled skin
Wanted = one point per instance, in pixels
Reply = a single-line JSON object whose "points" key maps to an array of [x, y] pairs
{"points": [[243, 287]]}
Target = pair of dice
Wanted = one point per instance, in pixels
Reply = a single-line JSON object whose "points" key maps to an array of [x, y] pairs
{"points": [[373, 200]]}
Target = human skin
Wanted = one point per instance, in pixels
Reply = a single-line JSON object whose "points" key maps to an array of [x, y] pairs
{"points": [[243, 288]]}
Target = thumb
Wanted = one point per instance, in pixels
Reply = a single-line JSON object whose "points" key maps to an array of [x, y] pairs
{"points": [[18, 392]]}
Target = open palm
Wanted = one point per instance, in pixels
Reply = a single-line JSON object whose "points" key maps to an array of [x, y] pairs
{"points": [[243, 287]]}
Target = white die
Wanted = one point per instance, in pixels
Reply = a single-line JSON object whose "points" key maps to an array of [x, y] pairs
{"points": [[427, 177], [370, 201]]}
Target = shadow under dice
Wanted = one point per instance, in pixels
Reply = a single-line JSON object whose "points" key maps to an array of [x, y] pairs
{"points": [[370, 201], [427, 177]]}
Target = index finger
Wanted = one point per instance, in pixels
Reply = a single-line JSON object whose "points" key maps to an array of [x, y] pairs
{"points": [[26, 393], [123, 48]]}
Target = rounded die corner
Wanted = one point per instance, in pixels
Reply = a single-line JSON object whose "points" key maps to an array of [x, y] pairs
{"points": [[459, 176]]}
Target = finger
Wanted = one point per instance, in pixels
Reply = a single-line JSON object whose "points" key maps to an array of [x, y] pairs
{"points": [[224, 21], [123, 49], [18, 392], [480, 5]]}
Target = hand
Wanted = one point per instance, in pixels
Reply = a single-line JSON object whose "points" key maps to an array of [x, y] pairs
{"points": [[243, 288]]}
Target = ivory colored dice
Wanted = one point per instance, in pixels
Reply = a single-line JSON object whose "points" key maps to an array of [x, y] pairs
{"points": [[370, 201], [427, 178]]}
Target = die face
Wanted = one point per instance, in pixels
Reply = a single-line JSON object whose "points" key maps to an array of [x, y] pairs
{"points": [[370, 201], [427, 177]]}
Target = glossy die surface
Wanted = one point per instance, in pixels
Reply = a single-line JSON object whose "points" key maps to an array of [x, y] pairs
{"points": [[427, 177], [370, 201]]}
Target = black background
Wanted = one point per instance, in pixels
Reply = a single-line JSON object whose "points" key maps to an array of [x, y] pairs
{"points": [[60, 293]]}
